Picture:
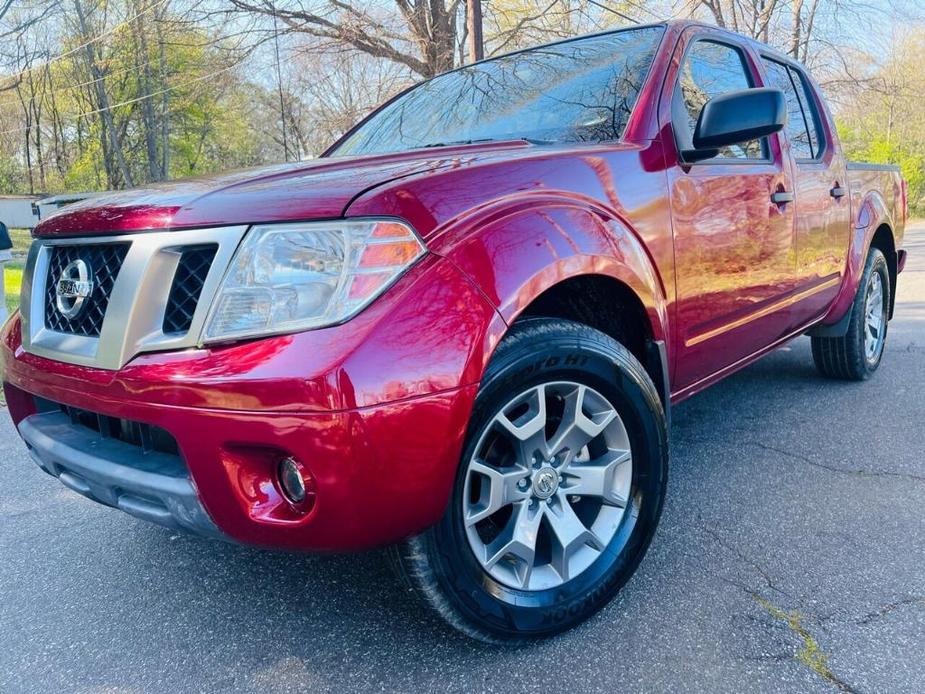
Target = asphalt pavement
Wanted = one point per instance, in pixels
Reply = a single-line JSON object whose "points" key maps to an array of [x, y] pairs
{"points": [[790, 558]]}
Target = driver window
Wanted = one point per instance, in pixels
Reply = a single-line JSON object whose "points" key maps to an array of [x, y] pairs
{"points": [[710, 69]]}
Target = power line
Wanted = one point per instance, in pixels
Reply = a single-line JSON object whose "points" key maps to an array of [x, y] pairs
{"points": [[74, 87], [128, 102], [612, 10], [91, 41], [14, 102]]}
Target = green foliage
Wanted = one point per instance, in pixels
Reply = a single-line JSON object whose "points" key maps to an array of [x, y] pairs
{"points": [[886, 124], [84, 172], [877, 148], [11, 174], [180, 105]]}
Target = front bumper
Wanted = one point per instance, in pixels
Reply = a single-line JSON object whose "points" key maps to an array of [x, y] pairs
{"points": [[376, 409], [147, 485], [380, 473]]}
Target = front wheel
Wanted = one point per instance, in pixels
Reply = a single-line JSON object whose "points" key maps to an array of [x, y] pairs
{"points": [[558, 492], [857, 354]]}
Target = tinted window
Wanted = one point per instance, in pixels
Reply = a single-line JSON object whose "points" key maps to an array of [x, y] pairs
{"points": [[801, 141], [577, 91], [710, 69], [816, 139]]}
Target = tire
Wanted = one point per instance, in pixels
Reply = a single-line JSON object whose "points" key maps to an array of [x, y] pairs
{"points": [[858, 353], [571, 368]]}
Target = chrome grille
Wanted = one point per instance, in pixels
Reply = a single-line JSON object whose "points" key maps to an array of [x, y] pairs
{"points": [[104, 261], [192, 271], [151, 292]]}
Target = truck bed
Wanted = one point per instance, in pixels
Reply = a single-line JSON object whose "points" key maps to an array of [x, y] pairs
{"points": [[865, 178]]}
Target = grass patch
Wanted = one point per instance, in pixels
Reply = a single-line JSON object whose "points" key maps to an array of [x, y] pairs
{"points": [[21, 239], [12, 270], [12, 283]]}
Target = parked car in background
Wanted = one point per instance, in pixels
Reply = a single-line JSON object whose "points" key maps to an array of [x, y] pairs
{"points": [[460, 332]]}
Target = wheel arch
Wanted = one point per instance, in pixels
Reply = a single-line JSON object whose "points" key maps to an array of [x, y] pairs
{"points": [[612, 307], [884, 241], [567, 258], [874, 228]]}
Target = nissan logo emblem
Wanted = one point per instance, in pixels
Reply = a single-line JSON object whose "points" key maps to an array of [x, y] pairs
{"points": [[73, 288]]}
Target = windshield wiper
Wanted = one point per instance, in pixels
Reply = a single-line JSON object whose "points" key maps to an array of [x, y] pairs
{"points": [[452, 143]]}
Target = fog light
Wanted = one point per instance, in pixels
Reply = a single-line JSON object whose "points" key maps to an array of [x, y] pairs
{"points": [[292, 480]]}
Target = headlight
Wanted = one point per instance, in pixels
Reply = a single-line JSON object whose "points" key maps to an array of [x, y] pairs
{"points": [[292, 277]]}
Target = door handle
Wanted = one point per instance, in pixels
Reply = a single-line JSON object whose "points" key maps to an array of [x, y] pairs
{"points": [[781, 197], [838, 192]]}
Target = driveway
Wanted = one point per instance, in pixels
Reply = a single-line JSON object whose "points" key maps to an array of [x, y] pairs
{"points": [[790, 558]]}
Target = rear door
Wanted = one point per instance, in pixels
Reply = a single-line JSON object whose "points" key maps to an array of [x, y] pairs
{"points": [[734, 245], [820, 189]]}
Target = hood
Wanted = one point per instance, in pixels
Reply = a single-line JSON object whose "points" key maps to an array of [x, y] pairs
{"points": [[318, 189]]}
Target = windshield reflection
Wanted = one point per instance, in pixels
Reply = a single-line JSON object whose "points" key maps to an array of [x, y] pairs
{"points": [[581, 90]]}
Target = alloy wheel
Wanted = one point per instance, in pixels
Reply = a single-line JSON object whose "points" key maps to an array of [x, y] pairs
{"points": [[548, 485], [874, 318]]}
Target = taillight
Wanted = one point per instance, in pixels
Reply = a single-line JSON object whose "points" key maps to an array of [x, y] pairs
{"points": [[904, 188]]}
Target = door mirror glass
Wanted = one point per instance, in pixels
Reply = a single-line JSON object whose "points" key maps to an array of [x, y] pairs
{"points": [[735, 118]]}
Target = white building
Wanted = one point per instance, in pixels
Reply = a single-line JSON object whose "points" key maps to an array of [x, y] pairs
{"points": [[19, 211]]}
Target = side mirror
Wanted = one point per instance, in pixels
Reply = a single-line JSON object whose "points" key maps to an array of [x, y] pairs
{"points": [[737, 117]]}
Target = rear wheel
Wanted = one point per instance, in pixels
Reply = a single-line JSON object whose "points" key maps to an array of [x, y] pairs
{"points": [[558, 492], [857, 354]]}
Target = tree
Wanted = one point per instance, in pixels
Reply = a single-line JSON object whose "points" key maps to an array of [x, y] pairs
{"points": [[331, 92], [126, 92], [883, 122], [113, 154], [97, 95], [419, 34]]}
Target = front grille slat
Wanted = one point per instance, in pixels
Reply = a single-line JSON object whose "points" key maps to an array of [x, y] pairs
{"points": [[188, 282], [104, 262], [147, 437]]}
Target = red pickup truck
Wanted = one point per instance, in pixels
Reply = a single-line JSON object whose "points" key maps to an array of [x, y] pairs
{"points": [[459, 332]]}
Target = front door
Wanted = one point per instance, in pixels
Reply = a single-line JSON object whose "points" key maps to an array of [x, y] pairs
{"points": [[732, 218]]}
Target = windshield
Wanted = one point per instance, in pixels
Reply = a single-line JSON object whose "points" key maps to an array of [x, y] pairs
{"points": [[577, 91]]}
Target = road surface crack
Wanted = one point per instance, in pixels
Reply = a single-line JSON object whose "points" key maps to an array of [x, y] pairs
{"points": [[810, 654], [857, 472], [766, 576], [890, 607]]}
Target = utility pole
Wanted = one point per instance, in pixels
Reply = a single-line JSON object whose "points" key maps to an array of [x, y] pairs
{"points": [[279, 85], [474, 29]]}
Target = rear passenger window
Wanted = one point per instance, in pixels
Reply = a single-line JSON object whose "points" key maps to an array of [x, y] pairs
{"points": [[779, 77], [816, 138], [710, 69], [802, 129]]}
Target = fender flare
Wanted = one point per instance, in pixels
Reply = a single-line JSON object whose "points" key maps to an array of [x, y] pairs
{"points": [[873, 214], [543, 241]]}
